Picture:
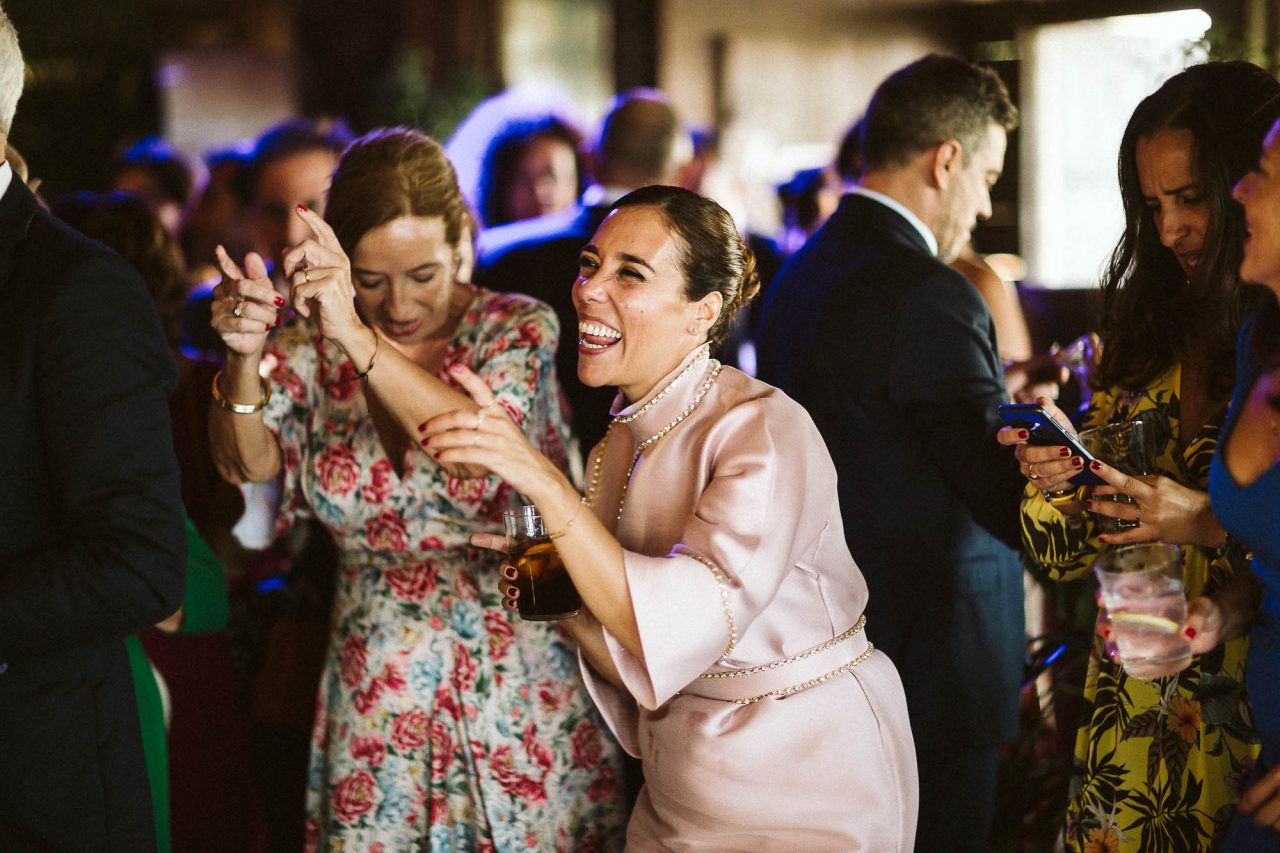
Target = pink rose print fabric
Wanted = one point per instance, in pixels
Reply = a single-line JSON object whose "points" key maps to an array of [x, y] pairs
{"points": [[444, 723]]}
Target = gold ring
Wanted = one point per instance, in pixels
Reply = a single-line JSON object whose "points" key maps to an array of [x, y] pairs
{"points": [[1031, 471], [238, 311], [306, 274]]}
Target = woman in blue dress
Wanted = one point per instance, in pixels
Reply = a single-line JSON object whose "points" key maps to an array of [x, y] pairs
{"points": [[1244, 487]]}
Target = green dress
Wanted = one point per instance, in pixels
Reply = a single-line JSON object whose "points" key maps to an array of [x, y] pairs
{"points": [[204, 607], [1157, 763]]}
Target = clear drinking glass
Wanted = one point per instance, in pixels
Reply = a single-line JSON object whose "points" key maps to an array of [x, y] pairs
{"points": [[546, 590], [1142, 590], [1127, 447]]}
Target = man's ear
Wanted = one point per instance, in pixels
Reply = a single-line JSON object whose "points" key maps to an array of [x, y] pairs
{"points": [[944, 163]]}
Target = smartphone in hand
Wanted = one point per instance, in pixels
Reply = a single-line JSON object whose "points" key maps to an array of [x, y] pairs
{"points": [[1044, 430]]}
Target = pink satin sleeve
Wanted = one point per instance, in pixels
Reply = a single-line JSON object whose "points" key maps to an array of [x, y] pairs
{"points": [[759, 517]]}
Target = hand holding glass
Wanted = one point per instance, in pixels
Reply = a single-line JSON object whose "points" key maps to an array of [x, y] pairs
{"points": [[546, 590], [1127, 447], [1142, 590]]}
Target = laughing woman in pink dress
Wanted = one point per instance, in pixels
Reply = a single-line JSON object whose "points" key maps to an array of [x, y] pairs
{"points": [[722, 632]]}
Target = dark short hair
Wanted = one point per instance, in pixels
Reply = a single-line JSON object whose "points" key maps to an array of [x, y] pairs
{"points": [[502, 158], [848, 163], [639, 133], [389, 173], [295, 136], [928, 102], [712, 257], [1151, 315]]}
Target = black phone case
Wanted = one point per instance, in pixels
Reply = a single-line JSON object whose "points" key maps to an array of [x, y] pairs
{"points": [[1045, 431]]}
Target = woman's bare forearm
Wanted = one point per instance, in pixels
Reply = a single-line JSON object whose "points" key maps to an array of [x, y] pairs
{"points": [[586, 631]]}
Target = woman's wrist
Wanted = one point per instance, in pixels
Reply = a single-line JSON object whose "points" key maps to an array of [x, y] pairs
{"points": [[360, 346], [240, 372], [1212, 533], [558, 501]]}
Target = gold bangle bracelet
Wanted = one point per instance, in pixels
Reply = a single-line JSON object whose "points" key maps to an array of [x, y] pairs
{"points": [[241, 408]]}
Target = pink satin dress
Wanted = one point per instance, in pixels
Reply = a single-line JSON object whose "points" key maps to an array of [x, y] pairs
{"points": [[763, 717]]}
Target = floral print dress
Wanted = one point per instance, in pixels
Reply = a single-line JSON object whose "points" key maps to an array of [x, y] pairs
{"points": [[443, 722], [1158, 764]]}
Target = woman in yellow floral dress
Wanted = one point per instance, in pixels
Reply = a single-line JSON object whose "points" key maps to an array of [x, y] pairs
{"points": [[1159, 763]]}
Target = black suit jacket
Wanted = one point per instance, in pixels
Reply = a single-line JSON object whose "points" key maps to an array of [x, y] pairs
{"points": [[893, 354], [92, 545], [539, 257]]}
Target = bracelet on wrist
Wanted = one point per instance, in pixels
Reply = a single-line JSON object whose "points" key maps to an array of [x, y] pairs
{"points": [[242, 408], [364, 374], [572, 521]]}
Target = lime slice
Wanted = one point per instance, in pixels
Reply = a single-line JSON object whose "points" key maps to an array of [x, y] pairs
{"points": [[1146, 620]]}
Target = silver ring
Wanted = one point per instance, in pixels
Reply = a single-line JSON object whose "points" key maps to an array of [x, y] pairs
{"points": [[1031, 471], [1137, 519], [238, 311]]}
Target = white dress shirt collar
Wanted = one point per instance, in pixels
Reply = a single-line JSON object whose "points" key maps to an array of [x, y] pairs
{"points": [[897, 207], [6, 177]]}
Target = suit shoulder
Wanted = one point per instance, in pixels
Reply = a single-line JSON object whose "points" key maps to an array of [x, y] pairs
{"points": [[528, 235]]}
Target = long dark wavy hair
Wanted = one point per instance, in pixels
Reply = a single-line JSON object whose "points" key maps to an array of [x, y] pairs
{"points": [[1152, 316]]}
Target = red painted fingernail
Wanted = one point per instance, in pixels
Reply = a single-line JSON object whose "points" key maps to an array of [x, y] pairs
{"points": [[1064, 451], [1022, 433], [303, 207], [1077, 462], [1190, 632], [279, 301], [1095, 465], [1088, 504], [277, 322], [1106, 633], [422, 426], [435, 454]]}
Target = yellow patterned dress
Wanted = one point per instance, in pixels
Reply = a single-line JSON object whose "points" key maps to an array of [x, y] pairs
{"points": [[1158, 764]]}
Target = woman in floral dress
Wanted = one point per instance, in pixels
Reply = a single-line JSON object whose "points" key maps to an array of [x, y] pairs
{"points": [[1159, 763], [441, 725]]}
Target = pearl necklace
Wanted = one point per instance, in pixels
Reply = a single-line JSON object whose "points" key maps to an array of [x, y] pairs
{"points": [[590, 497], [705, 351]]}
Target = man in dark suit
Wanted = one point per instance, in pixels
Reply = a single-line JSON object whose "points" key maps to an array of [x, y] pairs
{"points": [[641, 143], [92, 545], [893, 354]]}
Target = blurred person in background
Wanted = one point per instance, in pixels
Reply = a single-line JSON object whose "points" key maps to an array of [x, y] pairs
{"points": [[807, 201], [532, 167], [219, 216], [1159, 763], [162, 176]]}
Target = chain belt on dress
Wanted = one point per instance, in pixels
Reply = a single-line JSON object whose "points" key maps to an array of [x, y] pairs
{"points": [[786, 676]]}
